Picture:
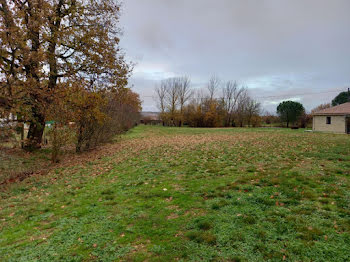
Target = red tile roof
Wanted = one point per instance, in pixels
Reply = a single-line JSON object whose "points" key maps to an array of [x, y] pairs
{"points": [[343, 109]]}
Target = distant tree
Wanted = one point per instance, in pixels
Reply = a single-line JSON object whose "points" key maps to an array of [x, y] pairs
{"points": [[213, 85], [172, 86], [180, 104], [160, 96], [185, 92], [341, 98], [320, 107], [240, 112], [253, 109], [305, 120], [230, 96], [268, 118], [290, 111], [171, 96]]}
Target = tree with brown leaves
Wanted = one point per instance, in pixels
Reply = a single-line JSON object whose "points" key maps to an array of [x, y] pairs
{"points": [[321, 107], [47, 42]]}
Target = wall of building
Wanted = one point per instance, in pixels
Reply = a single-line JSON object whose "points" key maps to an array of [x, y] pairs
{"points": [[338, 124]]}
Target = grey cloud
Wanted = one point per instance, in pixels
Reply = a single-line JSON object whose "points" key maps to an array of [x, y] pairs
{"points": [[275, 47]]}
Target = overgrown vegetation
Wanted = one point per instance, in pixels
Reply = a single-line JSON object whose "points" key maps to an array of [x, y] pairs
{"points": [[167, 194], [61, 61]]}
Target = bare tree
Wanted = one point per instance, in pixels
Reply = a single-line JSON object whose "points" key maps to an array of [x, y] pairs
{"points": [[160, 96], [252, 108], [231, 93], [184, 92], [246, 108], [172, 95], [199, 95], [241, 106], [168, 99], [321, 107], [213, 85]]}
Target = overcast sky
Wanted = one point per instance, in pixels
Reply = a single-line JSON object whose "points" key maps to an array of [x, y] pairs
{"points": [[288, 49]]}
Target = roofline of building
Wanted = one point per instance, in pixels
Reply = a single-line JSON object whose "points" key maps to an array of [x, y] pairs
{"points": [[331, 114]]}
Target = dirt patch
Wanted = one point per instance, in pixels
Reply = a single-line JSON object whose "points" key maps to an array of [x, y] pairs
{"points": [[172, 216]]}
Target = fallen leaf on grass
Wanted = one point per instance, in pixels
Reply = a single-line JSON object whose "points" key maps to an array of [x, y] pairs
{"points": [[169, 199], [172, 216]]}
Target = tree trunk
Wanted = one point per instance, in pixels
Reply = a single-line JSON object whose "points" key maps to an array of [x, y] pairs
{"points": [[79, 140], [55, 144], [35, 132], [22, 135]]}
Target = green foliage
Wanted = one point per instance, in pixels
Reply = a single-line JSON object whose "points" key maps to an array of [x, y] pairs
{"points": [[341, 98], [290, 111]]}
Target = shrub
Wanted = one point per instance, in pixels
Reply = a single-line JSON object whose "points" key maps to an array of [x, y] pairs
{"points": [[60, 135]]}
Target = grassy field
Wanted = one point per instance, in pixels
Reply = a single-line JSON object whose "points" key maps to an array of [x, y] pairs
{"points": [[182, 194]]}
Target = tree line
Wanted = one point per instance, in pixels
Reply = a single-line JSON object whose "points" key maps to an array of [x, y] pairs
{"points": [[60, 60], [218, 104], [226, 104]]}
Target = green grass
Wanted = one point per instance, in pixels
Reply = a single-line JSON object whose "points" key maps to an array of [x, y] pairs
{"points": [[168, 194]]}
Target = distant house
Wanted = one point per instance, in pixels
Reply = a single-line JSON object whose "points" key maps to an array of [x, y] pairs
{"points": [[150, 118], [334, 119]]}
